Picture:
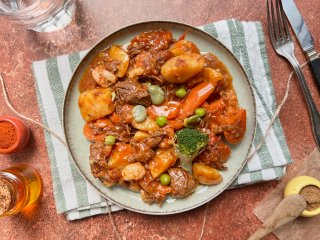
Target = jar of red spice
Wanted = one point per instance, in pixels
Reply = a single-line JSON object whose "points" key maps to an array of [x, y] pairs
{"points": [[14, 135]]}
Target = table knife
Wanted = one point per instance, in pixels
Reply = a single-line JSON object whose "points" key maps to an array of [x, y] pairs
{"points": [[304, 37]]}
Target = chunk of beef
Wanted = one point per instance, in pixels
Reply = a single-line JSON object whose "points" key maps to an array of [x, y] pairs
{"points": [[111, 64], [182, 183], [155, 40], [98, 155], [143, 150], [170, 91], [133, 92], [104, 126], [149, 63], [232, 123], [154, 139], [161, 58], [154, 80], [229, 97], [168, 140], [235, 126], [155, 197], [153, 191], [133, 185], [112, 177], [216, 153], [121, 131], [146, 63], [99, 152], [141, 154], [123, 112]]}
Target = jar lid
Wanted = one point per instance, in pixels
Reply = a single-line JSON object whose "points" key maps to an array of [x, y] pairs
{"points": [[5, 197]]}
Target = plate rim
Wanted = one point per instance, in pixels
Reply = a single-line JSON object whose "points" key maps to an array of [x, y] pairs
{"points": [[92, 182]]}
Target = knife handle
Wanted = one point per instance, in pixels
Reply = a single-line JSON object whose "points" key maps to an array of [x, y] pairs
{"points": [[315, 67]]}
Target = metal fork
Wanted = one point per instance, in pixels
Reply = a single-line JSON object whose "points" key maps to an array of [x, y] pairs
{"points": [[282, 43]]}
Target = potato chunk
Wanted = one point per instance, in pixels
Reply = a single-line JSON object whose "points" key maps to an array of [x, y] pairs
{"points": [[121, 55], [139, 136], [205, 174], [95, 104], [148, 125], [120, 156], [181, 68], [163, 160]]}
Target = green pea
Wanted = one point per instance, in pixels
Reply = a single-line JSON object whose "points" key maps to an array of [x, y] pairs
{"points": [[156, 93], [161, 121], [139, 113], [110, 140], [192, 121], [181, 92], [200, 112], [165, 179]]}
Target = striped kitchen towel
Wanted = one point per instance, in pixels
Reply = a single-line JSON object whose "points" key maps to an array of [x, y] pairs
{"points": [[78, 199]]}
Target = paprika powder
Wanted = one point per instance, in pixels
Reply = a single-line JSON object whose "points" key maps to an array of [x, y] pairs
{"points": [[14, 135], [8, 135]]}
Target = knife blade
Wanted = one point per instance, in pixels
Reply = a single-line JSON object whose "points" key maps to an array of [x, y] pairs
{"points": [[304, 37]]}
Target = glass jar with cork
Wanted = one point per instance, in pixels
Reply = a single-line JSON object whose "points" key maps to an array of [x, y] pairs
{"points": [[20, 187]]}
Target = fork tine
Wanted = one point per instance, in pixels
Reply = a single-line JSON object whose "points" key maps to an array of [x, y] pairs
{"points": [[274, 21], [285, 22], [280, 20], [270, 28]]}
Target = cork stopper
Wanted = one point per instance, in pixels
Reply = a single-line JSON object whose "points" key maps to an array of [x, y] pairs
{"points": [[6, 197]]}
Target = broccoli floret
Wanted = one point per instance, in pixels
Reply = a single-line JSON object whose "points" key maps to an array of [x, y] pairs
{"points": [[189, 143]]}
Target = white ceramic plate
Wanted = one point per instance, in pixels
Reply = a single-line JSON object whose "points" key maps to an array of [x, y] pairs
{"points": [[79, 146]]}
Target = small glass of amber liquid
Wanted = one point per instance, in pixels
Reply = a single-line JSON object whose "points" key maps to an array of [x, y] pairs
{"points": [[20, 187]]}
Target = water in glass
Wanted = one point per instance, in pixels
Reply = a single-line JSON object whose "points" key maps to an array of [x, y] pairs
{"points": [[39, 15]]}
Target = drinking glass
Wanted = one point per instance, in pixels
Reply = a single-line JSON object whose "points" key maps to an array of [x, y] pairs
{"points": [[39, 15]]}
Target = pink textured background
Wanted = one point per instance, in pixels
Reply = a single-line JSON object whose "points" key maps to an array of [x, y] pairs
{"points": [[230, 215]]}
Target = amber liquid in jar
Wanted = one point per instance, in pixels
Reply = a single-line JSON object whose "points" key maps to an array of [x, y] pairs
{"points": [[25, 186]]}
